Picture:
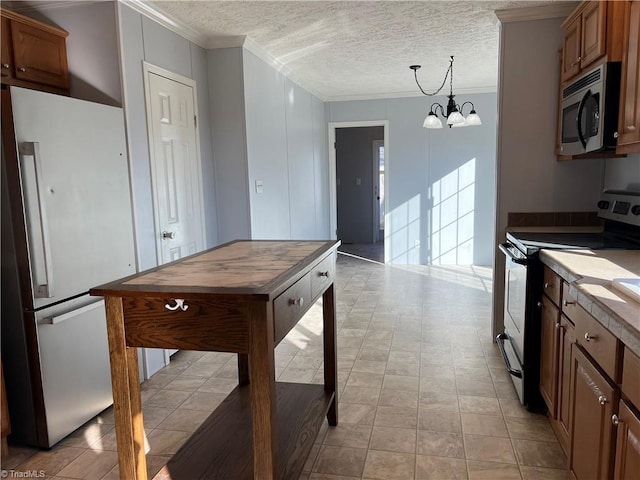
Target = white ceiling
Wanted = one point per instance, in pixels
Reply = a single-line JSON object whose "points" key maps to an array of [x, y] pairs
{"points": [[359, 49]]}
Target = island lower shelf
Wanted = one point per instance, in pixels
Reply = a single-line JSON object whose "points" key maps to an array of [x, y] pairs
{"points": [[221, 448]]}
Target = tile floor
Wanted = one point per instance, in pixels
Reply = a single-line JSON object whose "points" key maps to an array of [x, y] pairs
{"points": [[423, 392]]}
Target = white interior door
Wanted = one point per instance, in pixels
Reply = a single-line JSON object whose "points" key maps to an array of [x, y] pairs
{"points": [[175, 168]]}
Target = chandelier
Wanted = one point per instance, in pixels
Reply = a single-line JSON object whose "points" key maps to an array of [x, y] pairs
{"points": [[454, 115]]}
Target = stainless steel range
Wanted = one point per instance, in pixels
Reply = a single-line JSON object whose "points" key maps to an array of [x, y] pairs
{"points": [[520, 341]]}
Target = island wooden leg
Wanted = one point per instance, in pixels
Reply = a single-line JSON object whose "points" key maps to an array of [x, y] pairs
{"points": [[330, 359], [263, 392], [127, 405]]}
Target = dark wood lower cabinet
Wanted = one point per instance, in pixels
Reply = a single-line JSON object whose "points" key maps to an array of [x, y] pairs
{"points": [[567, 337], [628, 444], [593, 402], [550, 329]]}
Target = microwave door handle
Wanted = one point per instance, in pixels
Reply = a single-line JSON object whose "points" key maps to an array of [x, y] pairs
{"points": [[580, 112]]}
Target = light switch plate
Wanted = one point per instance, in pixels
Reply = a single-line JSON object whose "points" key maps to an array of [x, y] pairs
{"points": [[259, 186]]}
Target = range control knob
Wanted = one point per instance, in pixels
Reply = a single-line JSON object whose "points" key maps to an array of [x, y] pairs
{"points": [[635, 210], [603, 205]]}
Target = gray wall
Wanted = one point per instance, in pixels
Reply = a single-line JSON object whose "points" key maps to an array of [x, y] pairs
{"points": [[265, 113], [226, 106], [354, 160], [530, 179], [145, 40], [92, 48], [266, 129], [622, 173], [419, 161]]}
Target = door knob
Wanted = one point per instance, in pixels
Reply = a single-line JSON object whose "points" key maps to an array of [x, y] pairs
{"points": [[168, 235]]}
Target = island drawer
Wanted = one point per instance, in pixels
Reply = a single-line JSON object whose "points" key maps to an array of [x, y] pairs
{"points": [[322, 275], [185, 324], [290, 305]]}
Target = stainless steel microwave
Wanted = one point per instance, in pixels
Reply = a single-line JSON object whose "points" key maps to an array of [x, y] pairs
{"points": [[589, 117]]}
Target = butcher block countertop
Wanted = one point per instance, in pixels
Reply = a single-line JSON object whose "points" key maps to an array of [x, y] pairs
{"points": [[590, 274]]}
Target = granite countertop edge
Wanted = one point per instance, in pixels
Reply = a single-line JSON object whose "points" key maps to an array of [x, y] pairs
{"points": [[620, 327]]}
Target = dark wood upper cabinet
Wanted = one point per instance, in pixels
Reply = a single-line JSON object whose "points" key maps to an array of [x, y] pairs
{"points": [[629, 124], [34, 55]]}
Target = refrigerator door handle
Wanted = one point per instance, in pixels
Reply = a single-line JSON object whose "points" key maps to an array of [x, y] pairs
{"points": [[74, 313], [40, 245]]}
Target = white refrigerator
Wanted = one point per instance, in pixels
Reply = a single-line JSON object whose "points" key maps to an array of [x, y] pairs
{"points": [[66, 227]]}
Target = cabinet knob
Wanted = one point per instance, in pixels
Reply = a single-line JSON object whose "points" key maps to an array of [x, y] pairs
{"points": [[5, 65], [588, 337], [566, 303], [22, 69], [615, 134], [602, 399], [614, 419], [557, 326], [296, 301], [539, 304], [323, 274], [547, 284], [576, 62], [168, 235]]}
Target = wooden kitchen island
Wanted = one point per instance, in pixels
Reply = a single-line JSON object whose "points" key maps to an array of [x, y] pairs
{"points": [[241, 297]]}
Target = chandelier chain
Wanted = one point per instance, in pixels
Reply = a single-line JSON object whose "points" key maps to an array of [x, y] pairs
{"points": [[444, 81]]}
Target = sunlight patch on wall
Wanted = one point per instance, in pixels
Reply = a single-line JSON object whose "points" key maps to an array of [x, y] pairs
{"points": [[402, 235], [452, 217]]}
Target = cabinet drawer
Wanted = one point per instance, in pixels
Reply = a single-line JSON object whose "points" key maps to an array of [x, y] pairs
{"points": [[594, 338], [631, 377], [289, 307], [196, 325], [322, 275], [552, 285]]}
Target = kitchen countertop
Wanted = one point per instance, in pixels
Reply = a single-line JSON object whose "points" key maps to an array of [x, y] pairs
{"points": [[589, 273]]}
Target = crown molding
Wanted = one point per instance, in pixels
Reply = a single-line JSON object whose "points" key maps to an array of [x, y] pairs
{"points": [[170, 23], [543, 12], [226, 42], [279, 66], [216, 42], [407, 94]]}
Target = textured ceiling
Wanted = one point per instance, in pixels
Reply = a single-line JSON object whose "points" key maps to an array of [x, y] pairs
{"points": [[360, 49]]}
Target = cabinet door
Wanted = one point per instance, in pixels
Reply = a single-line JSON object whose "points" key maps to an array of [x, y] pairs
{"points": [[629, 125], [571, 49], [550, 329], [40, 56], [6, 60], [593, 41], [567, 338], [593, 400], [628, 445]]}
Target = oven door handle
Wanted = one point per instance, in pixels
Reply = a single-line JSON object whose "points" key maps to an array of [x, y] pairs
{"points": [[506, 249], [500, 341]]}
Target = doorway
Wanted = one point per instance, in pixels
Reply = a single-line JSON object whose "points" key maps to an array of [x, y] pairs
{"points": [[358, 167], [176, 176]]}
